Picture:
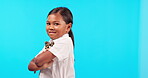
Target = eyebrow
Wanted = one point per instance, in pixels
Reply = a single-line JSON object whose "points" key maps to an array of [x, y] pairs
{"points": [[53, 21]]}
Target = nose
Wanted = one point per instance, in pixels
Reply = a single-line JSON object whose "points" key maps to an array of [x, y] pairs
{"points": [[51, 27]]}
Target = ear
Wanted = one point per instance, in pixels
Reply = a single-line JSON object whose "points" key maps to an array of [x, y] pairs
{"points": [[68, 27]]}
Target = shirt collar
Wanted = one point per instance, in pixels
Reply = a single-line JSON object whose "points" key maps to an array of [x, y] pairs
{"points": [[65, 35]]}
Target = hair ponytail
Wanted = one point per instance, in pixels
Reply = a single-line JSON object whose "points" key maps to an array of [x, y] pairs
{"points": [[72, 36]]}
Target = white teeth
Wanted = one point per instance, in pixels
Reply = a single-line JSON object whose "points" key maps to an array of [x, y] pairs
{"points": [[51, 32]]}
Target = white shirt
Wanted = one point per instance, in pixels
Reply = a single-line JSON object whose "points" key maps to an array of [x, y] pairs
{"points": [[63, 65]]}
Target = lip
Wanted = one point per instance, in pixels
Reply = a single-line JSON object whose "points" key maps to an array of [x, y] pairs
{"points": [[51, 32]]}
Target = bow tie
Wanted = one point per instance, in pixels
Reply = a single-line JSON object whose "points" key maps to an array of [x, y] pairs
{"points": [[48, 44]]}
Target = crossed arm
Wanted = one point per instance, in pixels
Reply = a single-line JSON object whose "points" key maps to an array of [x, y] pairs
{"points": [[42, 61]]}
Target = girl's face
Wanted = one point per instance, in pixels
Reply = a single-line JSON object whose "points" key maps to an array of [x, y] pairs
{"points": [[56, 26]]}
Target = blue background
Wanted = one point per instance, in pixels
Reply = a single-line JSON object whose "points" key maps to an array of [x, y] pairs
{"points": [[110, 36]]}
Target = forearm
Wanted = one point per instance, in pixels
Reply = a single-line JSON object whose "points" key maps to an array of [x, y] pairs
{"points": [[43, 58], [33, 67]]}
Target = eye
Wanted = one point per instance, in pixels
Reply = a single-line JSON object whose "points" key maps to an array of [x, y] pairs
{"points": [[47, 23], [56, 24]]}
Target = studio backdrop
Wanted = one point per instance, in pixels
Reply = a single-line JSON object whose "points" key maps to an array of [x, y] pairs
{"points": [[110, 36]]}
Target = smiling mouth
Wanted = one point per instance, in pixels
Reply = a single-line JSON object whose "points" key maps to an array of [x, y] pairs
{"points": [[51, 32]]}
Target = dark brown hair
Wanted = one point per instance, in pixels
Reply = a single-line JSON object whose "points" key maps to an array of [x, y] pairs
{"points": [[67, 17]]}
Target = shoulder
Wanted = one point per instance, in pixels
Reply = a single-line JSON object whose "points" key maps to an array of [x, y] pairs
{"points": [[65, 40]]}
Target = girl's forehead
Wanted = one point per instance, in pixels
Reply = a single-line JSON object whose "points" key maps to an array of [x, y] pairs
{"points": [[55, 16]]}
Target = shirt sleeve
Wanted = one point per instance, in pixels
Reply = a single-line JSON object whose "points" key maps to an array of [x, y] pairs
{"points": [[60, 50]]}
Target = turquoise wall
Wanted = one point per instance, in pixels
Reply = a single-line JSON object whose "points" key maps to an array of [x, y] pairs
{"points": [[143, 41], [108, 36]]}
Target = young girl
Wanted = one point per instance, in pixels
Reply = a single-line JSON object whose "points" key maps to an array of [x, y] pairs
{"points": [[56, 59]]}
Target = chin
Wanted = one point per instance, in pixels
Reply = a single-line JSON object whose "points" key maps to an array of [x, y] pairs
{"points": [[51, 37]]}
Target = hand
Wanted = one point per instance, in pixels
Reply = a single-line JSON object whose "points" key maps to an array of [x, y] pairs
{"points": [[46, 65]]}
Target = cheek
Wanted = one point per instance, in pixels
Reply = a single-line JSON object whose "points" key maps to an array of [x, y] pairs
{"points": [[60, 29], [47, 28]]}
